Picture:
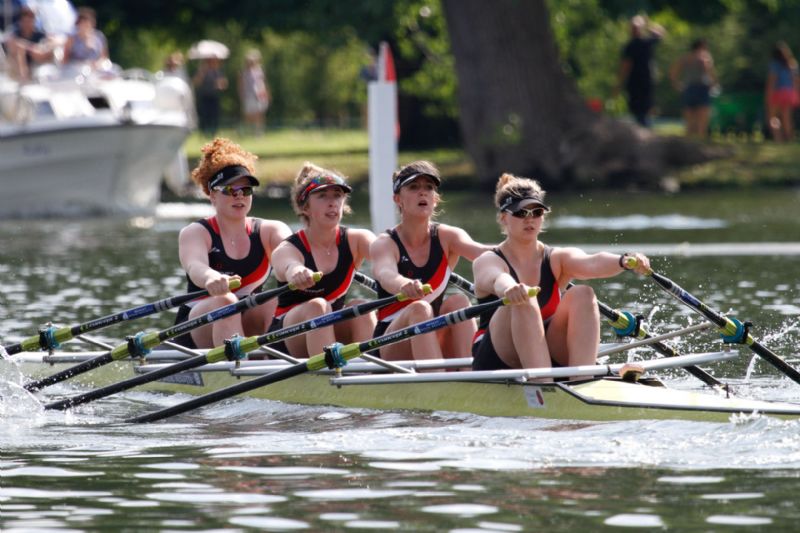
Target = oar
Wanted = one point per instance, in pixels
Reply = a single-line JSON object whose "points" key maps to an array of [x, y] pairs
{"points": [[51, 338], [334, 356], [731, 329], [233, 350], [140, 344], [624, 323]]}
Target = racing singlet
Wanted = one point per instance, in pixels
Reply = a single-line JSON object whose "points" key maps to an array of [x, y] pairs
{"points": [[548, 298], [436, 273], [333, 286], [254, 269]]}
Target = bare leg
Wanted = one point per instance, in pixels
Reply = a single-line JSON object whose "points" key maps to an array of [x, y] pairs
{"points": [[419, 346], [358, 329], [314, 341], [214, 334], [456, 340], [788, 124], [703, 117], [518, 336], [573, 334], [257, 321]]}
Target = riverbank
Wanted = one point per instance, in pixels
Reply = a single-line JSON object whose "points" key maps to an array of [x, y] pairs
{"points": [[281, 153]]}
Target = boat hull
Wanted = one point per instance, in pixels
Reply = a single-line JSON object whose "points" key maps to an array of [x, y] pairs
{"points": [[81, 169], [593, 400]]}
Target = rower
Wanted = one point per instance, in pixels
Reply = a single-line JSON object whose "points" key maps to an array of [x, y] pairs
{"points": [[319, 198], [229, 245], [415, 252], [555, 328]]}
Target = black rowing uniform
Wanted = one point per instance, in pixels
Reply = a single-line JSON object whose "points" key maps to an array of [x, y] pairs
{"points": [[254, 269], [435, 272], [333, 286], [484, 356]]}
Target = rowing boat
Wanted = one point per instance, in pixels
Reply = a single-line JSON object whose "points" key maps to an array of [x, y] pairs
{"points": [[498, 393]]}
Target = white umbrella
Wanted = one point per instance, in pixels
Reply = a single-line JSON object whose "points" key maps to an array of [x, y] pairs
{"points": [[208, 49]]}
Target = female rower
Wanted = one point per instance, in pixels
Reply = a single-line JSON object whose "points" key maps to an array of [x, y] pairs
{"points": [[557, 327], [319, 198], [228, 245], [415, 252]]}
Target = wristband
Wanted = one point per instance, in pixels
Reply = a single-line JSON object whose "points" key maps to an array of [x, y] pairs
{"points": [[622, 261]]}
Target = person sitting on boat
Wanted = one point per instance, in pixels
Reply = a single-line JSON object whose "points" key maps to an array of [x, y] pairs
{"points": [[28, 47], [319, 198], [557, 327], [228, 245], [87, 44], [419, 251]]}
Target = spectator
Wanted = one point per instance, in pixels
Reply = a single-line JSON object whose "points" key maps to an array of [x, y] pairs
{"points": [[253, 93], [694, 76], [781, 92], [28, 47], [636, 71], [209, 83], [87, 44]]}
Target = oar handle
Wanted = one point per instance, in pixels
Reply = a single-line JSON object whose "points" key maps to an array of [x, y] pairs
{"points": [[426, 289]]}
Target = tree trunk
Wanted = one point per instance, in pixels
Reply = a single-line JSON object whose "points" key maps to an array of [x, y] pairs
{"points": [[521, 114]]}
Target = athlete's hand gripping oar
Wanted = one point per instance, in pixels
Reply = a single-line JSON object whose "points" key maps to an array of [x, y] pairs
{"points": [[233, 350], [51, 338], [732, 330], [334, 356], [142, 343]]}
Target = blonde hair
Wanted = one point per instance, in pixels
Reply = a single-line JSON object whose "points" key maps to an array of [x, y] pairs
{"points": [[218, 154], [306, 174], [510, 185]]}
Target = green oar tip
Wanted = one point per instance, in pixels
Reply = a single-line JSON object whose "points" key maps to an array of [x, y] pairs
{"points": [[234, 284]]}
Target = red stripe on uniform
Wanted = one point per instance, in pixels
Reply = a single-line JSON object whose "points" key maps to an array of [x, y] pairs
{"points": [[550, 307], [436, 281]]}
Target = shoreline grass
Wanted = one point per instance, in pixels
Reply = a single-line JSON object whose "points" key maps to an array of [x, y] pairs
{"points": [[755, 162]]}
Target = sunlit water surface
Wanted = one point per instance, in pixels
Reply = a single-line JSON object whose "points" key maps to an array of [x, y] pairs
{"points": [[248, 464]]}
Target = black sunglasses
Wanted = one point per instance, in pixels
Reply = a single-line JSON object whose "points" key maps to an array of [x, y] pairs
{"points": [[536, 212]]}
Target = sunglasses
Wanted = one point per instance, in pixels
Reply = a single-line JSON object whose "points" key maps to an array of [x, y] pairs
{"points": [[536, 212], [231, 190]]}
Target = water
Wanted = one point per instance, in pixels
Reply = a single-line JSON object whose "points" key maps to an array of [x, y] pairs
{"points": [[247, 464]]}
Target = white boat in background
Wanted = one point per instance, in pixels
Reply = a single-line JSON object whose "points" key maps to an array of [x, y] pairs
{"points": [[82, 141]]}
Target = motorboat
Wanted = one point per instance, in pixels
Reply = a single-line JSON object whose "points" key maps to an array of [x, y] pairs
{"points": [[80, 140]]}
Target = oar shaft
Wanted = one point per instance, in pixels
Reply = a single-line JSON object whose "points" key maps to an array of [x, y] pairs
{"points": [[151, 340], [69, 332], [615, 317], [317, 362], [218, 354], [58, 377], [724, 323], [114, 388]]}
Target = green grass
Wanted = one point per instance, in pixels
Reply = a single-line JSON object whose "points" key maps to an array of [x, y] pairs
{"points": [[282, 152]]}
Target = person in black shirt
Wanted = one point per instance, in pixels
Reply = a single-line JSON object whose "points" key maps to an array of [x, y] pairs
{"points": [[636, 72], [27, 46]]}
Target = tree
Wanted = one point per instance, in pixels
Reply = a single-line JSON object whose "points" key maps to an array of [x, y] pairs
{"points": [[520, 113]]}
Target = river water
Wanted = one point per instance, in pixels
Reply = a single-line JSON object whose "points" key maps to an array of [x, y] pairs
{"points": [[248, 464]]}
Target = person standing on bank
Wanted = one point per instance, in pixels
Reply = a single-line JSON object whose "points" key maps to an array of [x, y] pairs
{"points": [[636, 68], [555, 328], [782, 97], [319, 198], [227, 245], [694, 76], [415, 252]]}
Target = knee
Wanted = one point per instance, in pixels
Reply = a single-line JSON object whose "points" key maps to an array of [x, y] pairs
{"points": [[456, 301], [316, 307], [419, 310], [582, 294]]}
